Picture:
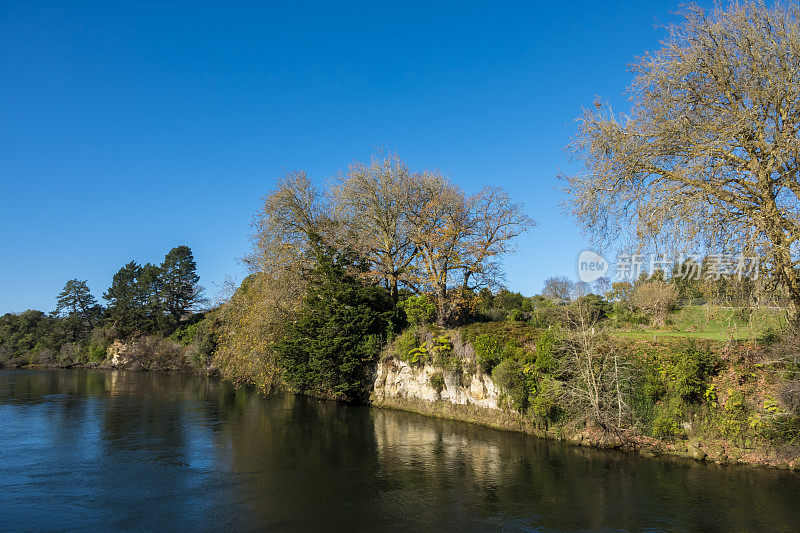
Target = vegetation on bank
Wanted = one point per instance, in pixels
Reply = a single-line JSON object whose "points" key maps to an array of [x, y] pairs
{"points": [[578, 373]]}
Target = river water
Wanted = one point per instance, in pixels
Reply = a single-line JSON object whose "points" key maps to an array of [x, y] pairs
{"points": [[84, 449]]}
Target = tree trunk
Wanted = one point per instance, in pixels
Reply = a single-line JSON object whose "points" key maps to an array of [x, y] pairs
{"points": [[441, 305]]}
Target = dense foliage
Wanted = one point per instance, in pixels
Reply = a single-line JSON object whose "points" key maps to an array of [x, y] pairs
{"points": [[331, 346]]}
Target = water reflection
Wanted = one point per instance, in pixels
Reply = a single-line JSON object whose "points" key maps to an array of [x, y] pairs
{"points": [[99, 450]]}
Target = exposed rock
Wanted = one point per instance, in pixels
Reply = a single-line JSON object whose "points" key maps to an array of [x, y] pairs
{"points": [[118, 354], [398, 379], [693, 452], [576, 439], [610, 440]]}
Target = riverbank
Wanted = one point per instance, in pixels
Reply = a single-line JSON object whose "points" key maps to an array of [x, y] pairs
{"points": [[717, 453], [478, 401]]}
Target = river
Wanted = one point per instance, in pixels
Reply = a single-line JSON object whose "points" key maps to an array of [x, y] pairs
{"points": [[82, 449]]}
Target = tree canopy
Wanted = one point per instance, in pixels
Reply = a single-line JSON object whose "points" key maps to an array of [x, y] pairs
{"points": [[708, 154]]}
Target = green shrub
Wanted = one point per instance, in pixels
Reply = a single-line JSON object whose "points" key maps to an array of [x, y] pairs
{"points": [[545, 352], [516, 316], [440, 351], [546, 315], [436, 381], [419, 310], [690, 370], [783, 428], [592, 306], [544, 407], [97, 351], [734, 420], [406, 342], [488, 351], [509, 376], [667, 421], [768, 337], [622, 315]]}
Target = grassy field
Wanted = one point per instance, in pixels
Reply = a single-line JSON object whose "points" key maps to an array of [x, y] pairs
{"points": [[711, 322]]}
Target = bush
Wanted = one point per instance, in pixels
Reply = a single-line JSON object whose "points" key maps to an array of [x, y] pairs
{"points": [[789, 394], [436, 381], [406, 342], [656, 299], [544, 408], [689, 372], [592, 306], [735, 420], [435, 350], [516, 316], [419, 310], [488, 352], [666, 424], [622, 315], [784, 429], [768, 337], [508, 375], [200, 340], [547, 315], [440, 350], [545, 352], [155, 353]]}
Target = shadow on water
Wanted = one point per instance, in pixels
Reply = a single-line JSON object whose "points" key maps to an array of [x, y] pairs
{"points": [[98, 450]]}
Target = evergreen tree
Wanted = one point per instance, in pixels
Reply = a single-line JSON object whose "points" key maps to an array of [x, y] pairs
{"points": [[150, 291], [76, 303], [179, 279], [76, 299], [124, 298], [329, 348]]}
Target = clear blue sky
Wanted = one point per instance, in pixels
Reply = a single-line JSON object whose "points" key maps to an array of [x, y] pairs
{"points": [[127, 128]]}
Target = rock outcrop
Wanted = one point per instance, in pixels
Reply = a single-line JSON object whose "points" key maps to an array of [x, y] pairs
{"points": [[397, 379]]}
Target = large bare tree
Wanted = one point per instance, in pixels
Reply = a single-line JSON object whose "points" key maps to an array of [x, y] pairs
{"points": [[708, 155], [495, 224], [461, 237], [291, 214], [372, 203]]}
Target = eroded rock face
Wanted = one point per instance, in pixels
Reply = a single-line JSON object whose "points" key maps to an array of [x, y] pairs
{"points": [[117, 353], [397, 379]]}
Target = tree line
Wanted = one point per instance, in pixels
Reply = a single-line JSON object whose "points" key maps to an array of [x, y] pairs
{"points": [[142, 300]]}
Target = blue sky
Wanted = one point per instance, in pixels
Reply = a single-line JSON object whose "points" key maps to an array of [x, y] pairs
{"points": [[127, 128]]}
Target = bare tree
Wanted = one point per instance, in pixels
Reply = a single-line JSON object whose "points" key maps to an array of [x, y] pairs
{"points": [[656, 299], [593, 376], [442, 222], [461, 237], [496, 222], [708, 155], [558, 288], [372, 203], [292, 213]]}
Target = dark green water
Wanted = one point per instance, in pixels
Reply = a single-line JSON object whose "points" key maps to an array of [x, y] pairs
{"points": [[135, 451]]}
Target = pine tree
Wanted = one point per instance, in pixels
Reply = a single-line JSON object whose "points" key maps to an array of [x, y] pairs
{"points": [[179, 278]]}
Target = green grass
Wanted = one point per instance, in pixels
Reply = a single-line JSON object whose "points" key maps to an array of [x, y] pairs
{"points": [[711, 322]]}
